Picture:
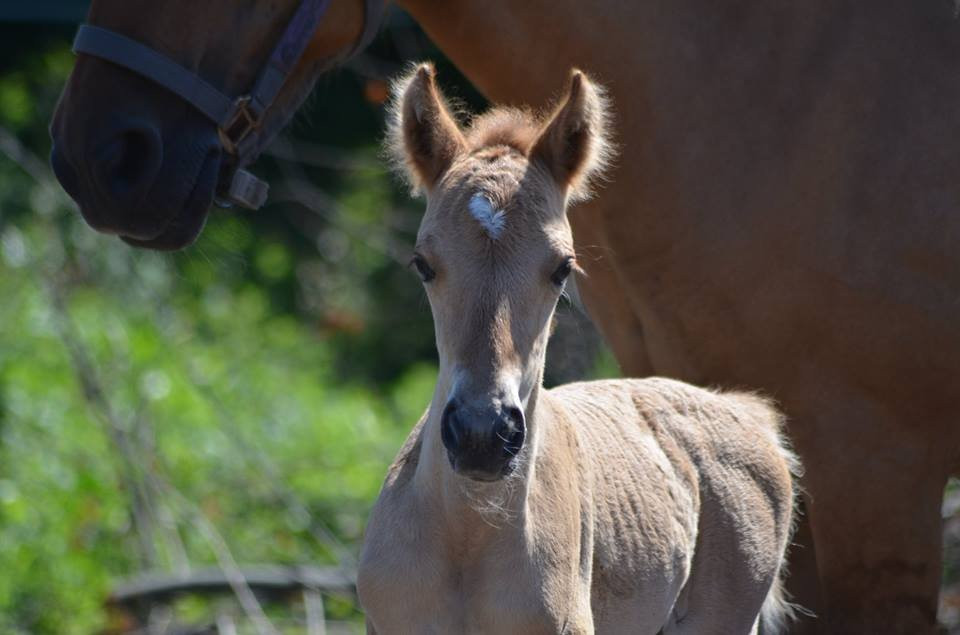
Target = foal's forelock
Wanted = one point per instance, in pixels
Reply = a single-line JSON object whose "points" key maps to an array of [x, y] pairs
{"points": [[493, 221]]}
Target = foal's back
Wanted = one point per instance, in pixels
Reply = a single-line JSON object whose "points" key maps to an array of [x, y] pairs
{"points": [[692, 499]]}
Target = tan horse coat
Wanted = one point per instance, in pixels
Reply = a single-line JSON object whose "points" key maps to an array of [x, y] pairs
{"points": [[636, 506]]}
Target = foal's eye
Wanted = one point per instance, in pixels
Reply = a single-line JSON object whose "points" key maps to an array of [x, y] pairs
{"points": [[563, 271], [423, 269]]}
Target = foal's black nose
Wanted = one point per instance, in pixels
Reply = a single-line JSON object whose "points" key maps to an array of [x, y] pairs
{"points": [[481, 442], [127, 162]]}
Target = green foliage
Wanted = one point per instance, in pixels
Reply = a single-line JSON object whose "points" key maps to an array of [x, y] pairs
{"points": [[236, 405]]}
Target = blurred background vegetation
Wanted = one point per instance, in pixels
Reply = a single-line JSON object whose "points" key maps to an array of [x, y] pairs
{"points": [[234, 404]]}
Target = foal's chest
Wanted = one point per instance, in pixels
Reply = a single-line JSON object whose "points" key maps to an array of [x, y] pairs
{"points": [[504, 592]]}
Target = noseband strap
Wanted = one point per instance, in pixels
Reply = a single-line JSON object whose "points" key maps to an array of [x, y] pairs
{"points": [[238, 119], [121, 50]]}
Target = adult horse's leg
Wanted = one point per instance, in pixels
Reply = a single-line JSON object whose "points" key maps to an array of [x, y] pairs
{"points": [[874, 495], [802, 582]]}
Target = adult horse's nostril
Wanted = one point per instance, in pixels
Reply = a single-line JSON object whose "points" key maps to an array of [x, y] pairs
{"points": [[128, 162], [449, 423]]}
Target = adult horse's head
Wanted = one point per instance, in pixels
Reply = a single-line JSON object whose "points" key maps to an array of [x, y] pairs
{"points": [[143, 162]]}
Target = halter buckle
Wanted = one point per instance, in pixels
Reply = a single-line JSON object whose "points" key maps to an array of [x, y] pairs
{"points": [[242, 121]]}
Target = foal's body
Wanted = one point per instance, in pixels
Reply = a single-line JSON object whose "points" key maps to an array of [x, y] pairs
{"points": [[650, 505], [632, 506]]}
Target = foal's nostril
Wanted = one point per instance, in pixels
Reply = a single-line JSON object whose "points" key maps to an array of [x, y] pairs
{"points": [[129, 161], [511, 430], [448, 428], [515, 416]]}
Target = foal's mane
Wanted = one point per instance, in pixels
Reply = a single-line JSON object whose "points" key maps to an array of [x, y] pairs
{"points": [[516, 128], [500, 126]]}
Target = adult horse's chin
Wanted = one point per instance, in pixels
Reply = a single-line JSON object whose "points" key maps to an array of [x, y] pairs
{"points": [[185, 226], [144, 168]]}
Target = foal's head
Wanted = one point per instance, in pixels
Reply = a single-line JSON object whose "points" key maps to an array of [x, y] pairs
{"points": [[494, 250]]}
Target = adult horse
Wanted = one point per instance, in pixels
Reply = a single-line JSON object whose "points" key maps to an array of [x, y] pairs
{"points": [[783, 216]]}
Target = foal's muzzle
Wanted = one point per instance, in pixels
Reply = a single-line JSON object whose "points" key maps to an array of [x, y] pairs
{"points": [[482, 443]]}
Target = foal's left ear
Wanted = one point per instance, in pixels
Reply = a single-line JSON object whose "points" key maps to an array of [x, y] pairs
{"points": [[574, 141]]}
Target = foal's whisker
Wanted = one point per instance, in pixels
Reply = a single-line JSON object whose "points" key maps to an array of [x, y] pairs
{"points": [[506, 445]]}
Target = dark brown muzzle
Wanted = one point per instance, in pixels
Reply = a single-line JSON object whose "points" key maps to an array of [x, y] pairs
{"points": [[139, 139], [139, 161]]}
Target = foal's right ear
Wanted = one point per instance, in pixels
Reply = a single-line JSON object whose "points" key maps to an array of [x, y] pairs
{"points": [[574, 141], [423, 136]]}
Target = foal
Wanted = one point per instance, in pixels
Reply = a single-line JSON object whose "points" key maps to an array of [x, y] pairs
{"points": [[630, 506]]}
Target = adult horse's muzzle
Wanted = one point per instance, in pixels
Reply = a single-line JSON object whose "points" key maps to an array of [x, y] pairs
{"points": [[482, 442], [139, 161], [149, 173]]}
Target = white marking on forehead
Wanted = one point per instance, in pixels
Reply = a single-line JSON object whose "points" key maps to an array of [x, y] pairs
{"points": [[493, 221]]}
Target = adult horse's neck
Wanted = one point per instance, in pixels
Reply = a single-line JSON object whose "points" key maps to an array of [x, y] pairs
{"points": [[516, 52]]}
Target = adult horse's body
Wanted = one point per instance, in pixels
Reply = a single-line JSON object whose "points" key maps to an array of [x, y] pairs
{"points": [[783, 217]]}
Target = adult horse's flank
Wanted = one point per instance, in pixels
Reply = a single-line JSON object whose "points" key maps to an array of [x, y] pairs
{"points": [[784, 216], [631, 506]]}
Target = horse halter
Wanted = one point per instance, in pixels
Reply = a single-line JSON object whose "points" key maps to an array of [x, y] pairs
{"points": [[237, 119]]}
